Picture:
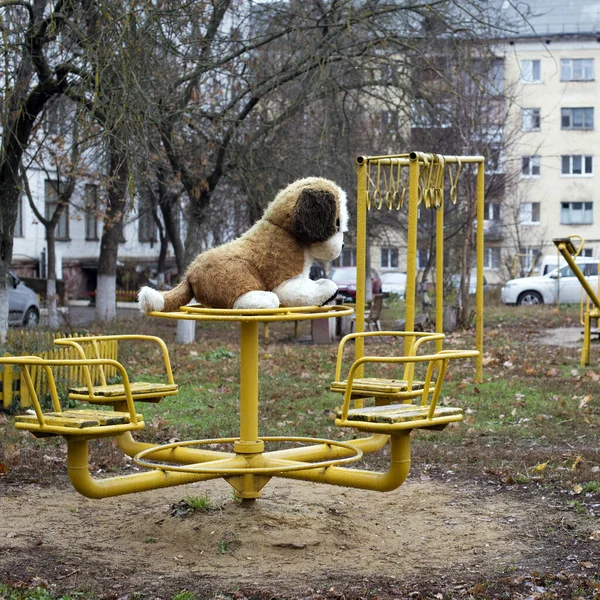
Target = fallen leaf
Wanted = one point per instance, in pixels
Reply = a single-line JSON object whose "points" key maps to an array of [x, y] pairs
{"points": [[585, 401], [541, 466], [577, 489], [575, 463], [3, 469]]}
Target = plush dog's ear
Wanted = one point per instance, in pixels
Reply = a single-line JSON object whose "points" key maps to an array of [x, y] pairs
{"points": [[314, 216]]}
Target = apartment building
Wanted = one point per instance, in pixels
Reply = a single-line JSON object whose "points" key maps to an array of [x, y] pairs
{"points": [[555, 120]]}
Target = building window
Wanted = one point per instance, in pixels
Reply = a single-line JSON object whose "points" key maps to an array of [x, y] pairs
{"points": [[491, 211], [529, 213], [528, 259], [531, 71], [61, 231], [530, 119], [587, 253], [577, 118], [389, 258], [577, 69], [492, 258], [91, 212], [147, 225], [530, 166], [576, 213], [346, 259], [19, 222], [577, 164]]}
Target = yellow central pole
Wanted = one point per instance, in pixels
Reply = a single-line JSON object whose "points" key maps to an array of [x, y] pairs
{"points": [[248, 442]]}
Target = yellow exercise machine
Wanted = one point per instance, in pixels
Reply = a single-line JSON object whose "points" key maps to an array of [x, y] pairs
{"points": [[400, 404], [589, 295]]}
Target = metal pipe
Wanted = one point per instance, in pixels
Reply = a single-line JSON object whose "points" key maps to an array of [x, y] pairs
{"points": [[393, 478], [79, 474], [479, 255]]}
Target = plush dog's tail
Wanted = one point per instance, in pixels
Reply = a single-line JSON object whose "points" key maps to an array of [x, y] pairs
{"points": [[150, 299]]}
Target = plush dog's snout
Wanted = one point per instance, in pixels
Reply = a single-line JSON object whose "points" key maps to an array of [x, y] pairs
{"points": [[343, 245]]}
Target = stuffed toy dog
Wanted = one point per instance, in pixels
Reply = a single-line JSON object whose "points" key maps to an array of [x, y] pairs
{"points": [[269, 264]]}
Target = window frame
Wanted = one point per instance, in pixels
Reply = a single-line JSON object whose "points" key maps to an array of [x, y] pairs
{"points": [[531, 159], [585, 209], [531, 113], [18, 231], [492, 258], [347, 252], [391, 255], [63, 221], [532, 212], [532, 62], [583, 158], [91, 219], [568, 63], [571, 113]]}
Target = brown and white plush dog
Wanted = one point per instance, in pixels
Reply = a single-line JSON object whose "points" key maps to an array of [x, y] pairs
{"points": [[269, 264]]}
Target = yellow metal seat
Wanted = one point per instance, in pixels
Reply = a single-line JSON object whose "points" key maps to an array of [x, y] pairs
{"points": [[402, 414], [403, 388], [72, 422], [78, 422], [114, 393]]}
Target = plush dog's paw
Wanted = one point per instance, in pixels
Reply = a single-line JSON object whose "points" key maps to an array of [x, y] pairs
{"points": [[257, 299], [327, 290], [150, 299]]}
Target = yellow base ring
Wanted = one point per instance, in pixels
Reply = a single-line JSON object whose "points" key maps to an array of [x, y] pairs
{"points": [[228, 471]]}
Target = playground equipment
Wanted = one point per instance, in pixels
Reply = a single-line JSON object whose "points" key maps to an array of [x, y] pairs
{"points": [[111, 394], [400, 405], [589, 295], [386, 182]]}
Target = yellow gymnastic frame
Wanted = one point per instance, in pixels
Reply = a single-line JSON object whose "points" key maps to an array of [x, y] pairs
{"points": [[384, 183], [567, 248]]}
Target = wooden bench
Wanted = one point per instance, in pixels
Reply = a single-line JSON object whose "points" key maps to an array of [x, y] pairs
{"points": [[114, 393], [72, 422]]}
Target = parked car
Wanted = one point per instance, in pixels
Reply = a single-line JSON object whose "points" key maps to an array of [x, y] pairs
{"points": [[455, 282], [23, 304], [393, 282], [545, 289], [345, 277]]}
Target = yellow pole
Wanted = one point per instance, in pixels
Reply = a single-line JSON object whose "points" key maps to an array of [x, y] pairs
{"points": [[479, 290], [361, 256], [439, 271], [248, 442], [411, 250]]}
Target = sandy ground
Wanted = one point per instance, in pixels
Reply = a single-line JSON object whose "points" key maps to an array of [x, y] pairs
{"points": [[297, 534]]}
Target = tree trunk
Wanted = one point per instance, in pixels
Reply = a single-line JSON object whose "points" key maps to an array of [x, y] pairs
{"points": [[8, 217], [106, 291], [186, 330], [51, 280]]}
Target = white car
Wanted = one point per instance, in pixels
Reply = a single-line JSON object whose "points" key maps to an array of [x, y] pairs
{"points": [[559, 285], [393, 282]]}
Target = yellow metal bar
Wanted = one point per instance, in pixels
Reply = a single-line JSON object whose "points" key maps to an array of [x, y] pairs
{"points": [[365, 480], [361, 254], [561, 245], [82, 481], [249, 389], [411, 250], [439, 269], [479, 258]]}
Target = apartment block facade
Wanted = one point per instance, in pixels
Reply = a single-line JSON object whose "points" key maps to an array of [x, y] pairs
{"points": [[556, 153]]}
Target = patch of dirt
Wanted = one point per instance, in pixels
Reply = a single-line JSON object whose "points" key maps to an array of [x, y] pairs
{"points": [[297, 536], [569, 337]]}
